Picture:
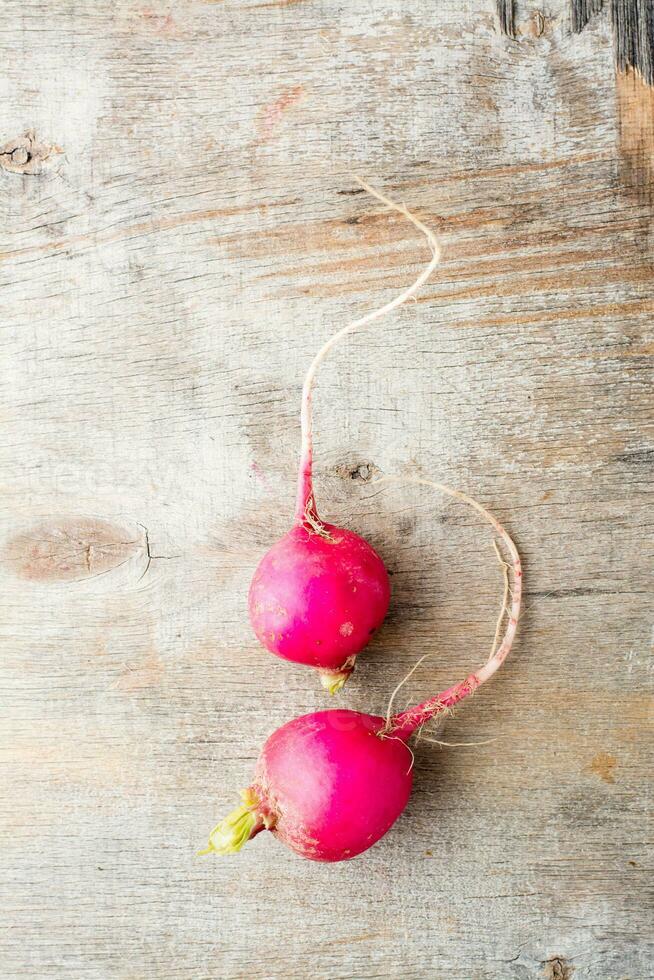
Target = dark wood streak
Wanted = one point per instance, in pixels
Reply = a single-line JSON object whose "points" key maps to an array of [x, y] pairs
{"points": [[633, 28], [581, 11], [633, 31], [506, 15]]}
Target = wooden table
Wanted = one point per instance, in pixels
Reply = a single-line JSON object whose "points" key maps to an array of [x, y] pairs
{"points": [[180, 232]]}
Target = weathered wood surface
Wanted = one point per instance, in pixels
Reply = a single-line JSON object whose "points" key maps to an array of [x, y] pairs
{"points": [[179, 233]]}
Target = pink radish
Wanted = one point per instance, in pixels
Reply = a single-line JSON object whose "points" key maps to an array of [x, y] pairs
{"points": [[331, 784], [321, 591]]}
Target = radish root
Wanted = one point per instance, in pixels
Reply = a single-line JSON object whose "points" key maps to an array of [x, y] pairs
{"points": [[305, 500], [406, 722]]}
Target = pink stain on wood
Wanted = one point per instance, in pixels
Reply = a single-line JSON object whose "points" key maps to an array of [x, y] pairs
{"points": [[272, 114], [161, 24], [261, 476]]}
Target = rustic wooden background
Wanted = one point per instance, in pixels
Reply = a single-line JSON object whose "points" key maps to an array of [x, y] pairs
{"points": [[179, 233]]}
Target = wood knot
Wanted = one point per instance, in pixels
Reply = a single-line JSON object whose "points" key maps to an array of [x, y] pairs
{"points": [[71, 549], [26, 155], [362, 471], [556, 968]]}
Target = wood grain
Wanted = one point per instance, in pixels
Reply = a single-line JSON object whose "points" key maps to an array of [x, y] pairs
{"points": [[190, 236], [636, 121]]}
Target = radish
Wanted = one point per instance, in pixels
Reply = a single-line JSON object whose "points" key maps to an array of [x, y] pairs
{"points": [[331, 784], [320, 593]]}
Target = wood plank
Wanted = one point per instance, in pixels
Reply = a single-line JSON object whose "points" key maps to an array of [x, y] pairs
{"points": [[188, 237]]}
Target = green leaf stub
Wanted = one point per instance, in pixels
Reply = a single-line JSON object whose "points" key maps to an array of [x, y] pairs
{"points": [[229, 836]]}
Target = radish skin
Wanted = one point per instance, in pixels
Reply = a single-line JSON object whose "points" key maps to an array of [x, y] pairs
{"points": [[334, 589], [321, 591], [332, 783]]}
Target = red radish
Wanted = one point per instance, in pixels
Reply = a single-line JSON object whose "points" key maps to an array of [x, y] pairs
{"points": [[321, 591], [330, 784]]}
